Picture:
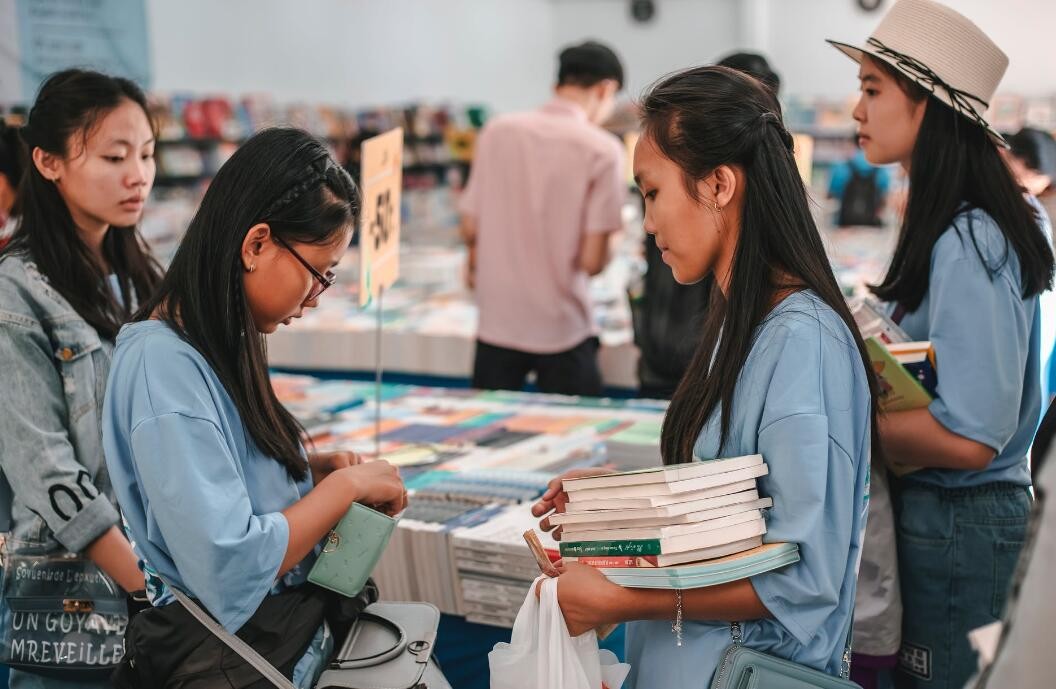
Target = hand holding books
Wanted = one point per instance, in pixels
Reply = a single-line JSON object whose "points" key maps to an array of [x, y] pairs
{"points": [[686, 519], [554, 499]]}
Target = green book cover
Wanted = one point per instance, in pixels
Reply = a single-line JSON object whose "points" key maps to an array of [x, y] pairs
{"points": [[899, 389], [609, 548]]}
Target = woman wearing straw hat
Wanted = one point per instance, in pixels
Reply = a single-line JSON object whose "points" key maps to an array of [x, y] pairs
{"points": [[970, 263]]}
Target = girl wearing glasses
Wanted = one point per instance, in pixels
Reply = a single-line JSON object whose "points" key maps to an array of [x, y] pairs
{"points": [[220, 498]]}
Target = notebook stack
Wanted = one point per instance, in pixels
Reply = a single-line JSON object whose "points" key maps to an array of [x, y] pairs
{"points": [[681, 526]]}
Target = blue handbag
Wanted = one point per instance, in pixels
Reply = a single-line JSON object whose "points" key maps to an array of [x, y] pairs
{"points": [[746, 668]]}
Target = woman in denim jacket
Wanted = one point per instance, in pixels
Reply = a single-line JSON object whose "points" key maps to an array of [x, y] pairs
{"points": [[72, 274]]}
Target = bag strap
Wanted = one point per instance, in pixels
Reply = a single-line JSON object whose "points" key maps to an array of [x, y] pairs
{"points": [[376, 658], [845, 665], [257, 661]]}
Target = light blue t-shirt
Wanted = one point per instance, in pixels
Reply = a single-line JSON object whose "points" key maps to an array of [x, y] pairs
{"points": [[802, 401], [987, 341], [201, 504]]}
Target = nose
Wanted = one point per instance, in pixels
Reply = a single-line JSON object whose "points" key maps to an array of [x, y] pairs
{"points": [[859, 110], [647, 223], [139, 175]]}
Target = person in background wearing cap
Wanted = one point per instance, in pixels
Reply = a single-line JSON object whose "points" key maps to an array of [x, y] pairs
{"points": [[971, 259], [545, 194]]}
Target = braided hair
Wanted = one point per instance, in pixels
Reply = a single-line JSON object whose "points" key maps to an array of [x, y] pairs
{"points": [[287, 179]]}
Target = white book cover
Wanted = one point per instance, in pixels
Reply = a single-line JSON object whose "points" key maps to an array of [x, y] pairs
{"points": [[673, 488], [665, 513], [717, 518], [663, 474], [711, 553], [658, 500]]}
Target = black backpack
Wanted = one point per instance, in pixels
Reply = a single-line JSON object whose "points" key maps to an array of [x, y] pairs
{"points": [[860, 204], [668, 320]]}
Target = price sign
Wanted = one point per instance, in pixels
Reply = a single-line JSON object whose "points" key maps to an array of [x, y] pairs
{"points": [[381, 181]]}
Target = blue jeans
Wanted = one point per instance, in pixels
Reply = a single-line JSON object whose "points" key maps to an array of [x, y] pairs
{"points": [[28, 680], [957, 551]]}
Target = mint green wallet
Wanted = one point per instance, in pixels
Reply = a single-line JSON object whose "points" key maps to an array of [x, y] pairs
{"points": [[352, 550]]}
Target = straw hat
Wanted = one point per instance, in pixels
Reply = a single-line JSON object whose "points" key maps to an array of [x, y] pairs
{"points": [[942, 51]]}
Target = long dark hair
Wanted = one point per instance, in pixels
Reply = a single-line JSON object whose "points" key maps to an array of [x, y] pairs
{"points": [[700, 119], [956, 167], [69, 104], [287, 179]]}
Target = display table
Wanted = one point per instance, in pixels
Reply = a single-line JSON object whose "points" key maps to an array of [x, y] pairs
{"points": [[473, 463]]}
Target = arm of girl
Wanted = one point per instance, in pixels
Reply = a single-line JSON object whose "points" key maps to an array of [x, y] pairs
{"points": [[114, 555], [588, 600], [916, 438]]}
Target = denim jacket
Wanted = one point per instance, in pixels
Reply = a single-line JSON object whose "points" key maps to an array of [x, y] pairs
{"points": [[53, 369]]}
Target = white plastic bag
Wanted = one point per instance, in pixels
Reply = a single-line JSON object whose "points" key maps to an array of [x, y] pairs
{"points": [[542, 655]]}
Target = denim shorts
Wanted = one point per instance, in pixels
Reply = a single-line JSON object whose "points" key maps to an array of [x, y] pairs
{"points": [[957, 552]]}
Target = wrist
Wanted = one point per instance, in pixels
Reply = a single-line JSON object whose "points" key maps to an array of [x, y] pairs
{"points": [[346, 485], [646, 604], [621, 604]]}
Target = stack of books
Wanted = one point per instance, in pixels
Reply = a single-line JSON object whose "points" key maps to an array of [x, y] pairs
{"points": [[672, 527]]}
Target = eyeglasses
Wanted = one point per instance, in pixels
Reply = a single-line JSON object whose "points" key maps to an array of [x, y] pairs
{"points": [[322, 282]]}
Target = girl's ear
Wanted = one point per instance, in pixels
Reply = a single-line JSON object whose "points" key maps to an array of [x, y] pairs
{"points": [[48, 165], [724, 185], [253, 244]]}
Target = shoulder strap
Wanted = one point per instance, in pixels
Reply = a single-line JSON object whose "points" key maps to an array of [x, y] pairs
{"points": [[266, 669], [845, 665]]}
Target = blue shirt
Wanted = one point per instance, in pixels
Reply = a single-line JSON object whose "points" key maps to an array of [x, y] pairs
{"points": [[802, 401], [202, 505], [841, 175], [987, 349]]}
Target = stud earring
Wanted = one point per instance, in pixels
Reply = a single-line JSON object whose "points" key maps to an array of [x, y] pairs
{"points": [[252, 267]]}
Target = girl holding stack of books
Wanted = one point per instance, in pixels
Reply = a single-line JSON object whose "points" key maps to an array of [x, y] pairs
{"points": [[971, 260], [781, 371]]}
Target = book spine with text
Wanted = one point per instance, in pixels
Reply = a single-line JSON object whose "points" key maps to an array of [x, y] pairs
{"points": [[609, 548]]}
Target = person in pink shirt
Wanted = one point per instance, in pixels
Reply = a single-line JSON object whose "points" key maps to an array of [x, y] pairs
{"points": [[546, 192]]}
